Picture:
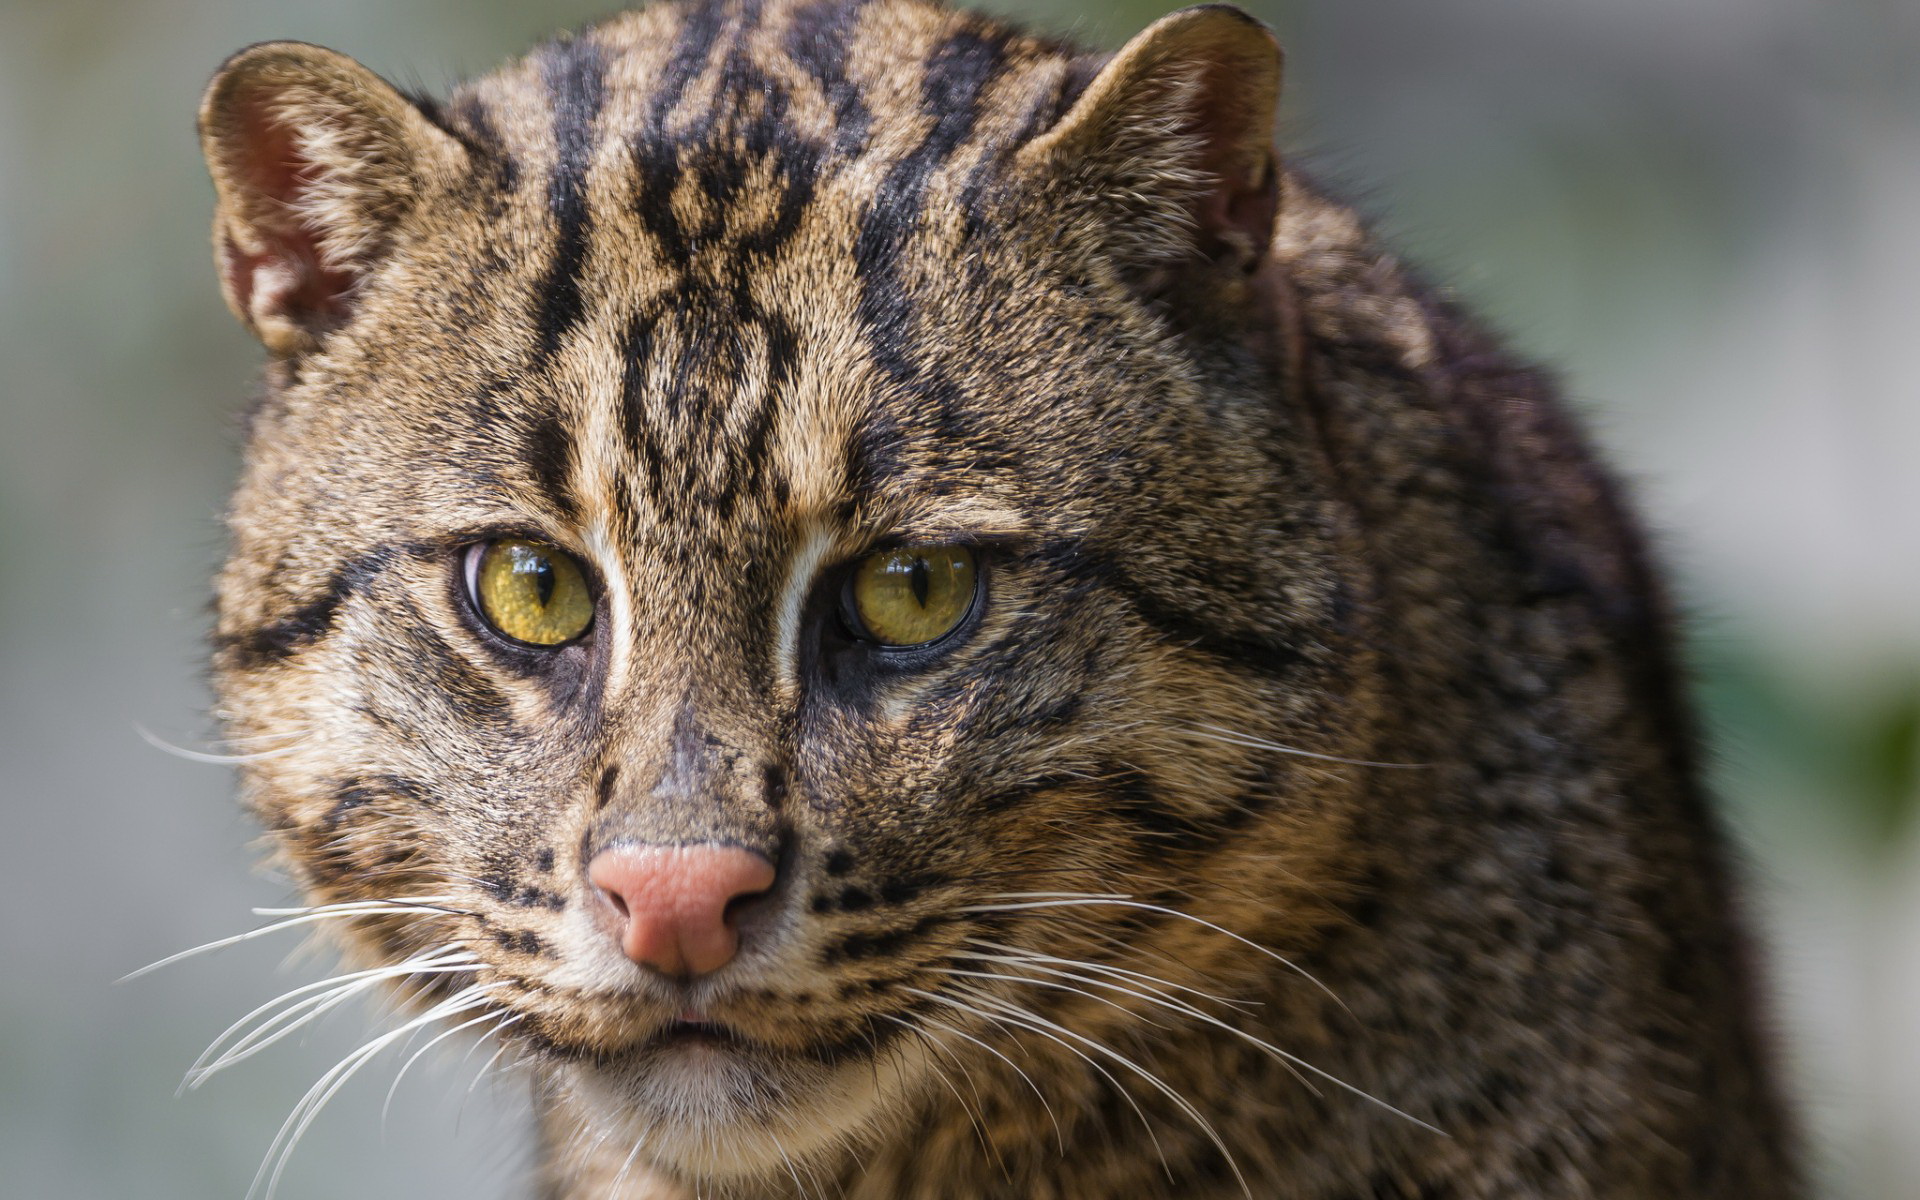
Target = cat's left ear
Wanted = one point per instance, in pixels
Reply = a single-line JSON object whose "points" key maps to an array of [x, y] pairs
{"points": [[1167, 156], [315, 161]]}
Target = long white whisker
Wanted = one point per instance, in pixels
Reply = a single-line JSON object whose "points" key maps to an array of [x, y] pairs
{"points": [[432, 962], [1119, 1088], [1177, 1006], [579, 1139], [1039, 963], [316, 1098], [295, 916], [1059, 896], [1292, 1062], [334, 992], [355, 907], [487, 1065], [290, 1020], [1018, 1014], [1171, 912], [1215, 733], [1117, 1007], [201, 756], [792, 1172], [976, 1112], [1060, 1138], [387, 1104], [1152, 983], [973, 1117], [633, 1155]]}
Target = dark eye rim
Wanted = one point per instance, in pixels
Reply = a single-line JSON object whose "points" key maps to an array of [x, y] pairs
{"points": [[849, 613], [468, 558]]}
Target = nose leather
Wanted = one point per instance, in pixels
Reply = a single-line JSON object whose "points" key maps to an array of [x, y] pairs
{"points": [[670, 905]]}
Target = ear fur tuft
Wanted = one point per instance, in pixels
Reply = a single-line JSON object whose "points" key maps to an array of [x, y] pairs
{"points": [[315, 160], [1168, 154]]}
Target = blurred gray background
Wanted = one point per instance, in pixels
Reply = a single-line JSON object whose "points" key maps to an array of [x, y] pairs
{"points": [[1703, 214]]}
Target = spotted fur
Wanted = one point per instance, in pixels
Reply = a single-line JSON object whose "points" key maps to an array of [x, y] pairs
{"points": [[1308, 809]]}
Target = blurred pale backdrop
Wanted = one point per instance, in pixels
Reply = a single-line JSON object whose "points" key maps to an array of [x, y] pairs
{"points": [[1703, 214]]}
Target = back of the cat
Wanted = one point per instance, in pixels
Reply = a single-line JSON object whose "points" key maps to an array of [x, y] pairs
{"points": [[897, 607]]}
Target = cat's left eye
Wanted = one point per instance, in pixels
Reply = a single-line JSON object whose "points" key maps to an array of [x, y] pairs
{"points": [[531, 592], [913, 596]]}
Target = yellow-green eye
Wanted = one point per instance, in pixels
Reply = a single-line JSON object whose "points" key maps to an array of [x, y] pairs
{"points": [[530, 591], [913, 595]]}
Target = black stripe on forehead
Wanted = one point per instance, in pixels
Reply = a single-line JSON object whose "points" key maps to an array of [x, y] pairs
{"points": [[692, 50], [959, 72], [481, 137], [575, 76], [548, 450], [655, 152], [636, 431], [699, 339], [817, 40], [530, 430], [743, 128]]}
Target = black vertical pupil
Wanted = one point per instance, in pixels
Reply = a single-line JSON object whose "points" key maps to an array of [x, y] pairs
{"points": [[920, 580], [544, 580]]}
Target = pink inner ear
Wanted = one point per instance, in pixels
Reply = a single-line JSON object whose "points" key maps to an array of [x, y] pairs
{"points": [[287, 276], [1238, 212]]}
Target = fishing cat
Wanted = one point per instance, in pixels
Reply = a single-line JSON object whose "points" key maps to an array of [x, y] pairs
{"points": [[901, 608]]}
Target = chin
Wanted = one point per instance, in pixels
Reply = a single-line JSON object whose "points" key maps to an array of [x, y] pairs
{"points": [[711, 1108]]}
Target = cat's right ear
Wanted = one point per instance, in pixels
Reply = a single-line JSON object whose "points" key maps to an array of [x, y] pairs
{"points": [[315, 160]]}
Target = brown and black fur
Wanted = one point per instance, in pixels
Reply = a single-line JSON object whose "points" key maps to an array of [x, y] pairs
{"points": [[1311, 630]]}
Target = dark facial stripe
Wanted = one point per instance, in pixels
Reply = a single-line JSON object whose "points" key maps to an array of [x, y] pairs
{"points": [[575, 75], [636, 430], [452, 682], [1244, 649], [307, 623], [879, 943], [1239, 649], [354, 794], [1160, 828], [1044, 109], [958, 73], [1015, 797], [656, 153], [548, 450], [692, 50]]}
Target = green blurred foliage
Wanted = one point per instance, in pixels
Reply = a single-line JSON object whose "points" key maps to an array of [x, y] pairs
{"points": [[1863, 749]]}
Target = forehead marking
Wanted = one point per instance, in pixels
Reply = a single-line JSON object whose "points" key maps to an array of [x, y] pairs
{"points": [[958, 73], [574, 73]]}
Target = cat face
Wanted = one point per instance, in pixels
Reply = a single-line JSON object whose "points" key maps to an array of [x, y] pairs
{"points": [[616, 401]]}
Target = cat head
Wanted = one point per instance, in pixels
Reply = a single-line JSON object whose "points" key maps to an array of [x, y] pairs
{"points": [[770, 523]]}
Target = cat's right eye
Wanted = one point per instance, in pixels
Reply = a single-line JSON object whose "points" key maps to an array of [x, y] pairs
{"points": [[529, 592]]}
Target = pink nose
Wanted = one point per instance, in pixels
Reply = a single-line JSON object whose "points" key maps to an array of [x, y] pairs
{"points": [[671, 901]]}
